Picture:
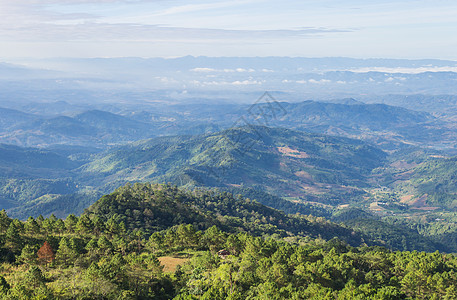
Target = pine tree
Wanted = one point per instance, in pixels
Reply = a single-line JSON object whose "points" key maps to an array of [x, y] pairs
{"points": [[34, 277], [112, 226], [31, 227], [104, 245], [48, 225], [13, 239], [70, 223], [45, 253], [99, 226], [84, 225], [66, 254], [28, 255], [4, 221]]}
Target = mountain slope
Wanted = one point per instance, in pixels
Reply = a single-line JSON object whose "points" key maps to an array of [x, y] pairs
{"points": [[286, 163], [432, 183], [12, 117], [31, 162], [30, 177], [152, 207], [387, 126], [280, 161], [90, 128], [116, 125], [354, 115]]}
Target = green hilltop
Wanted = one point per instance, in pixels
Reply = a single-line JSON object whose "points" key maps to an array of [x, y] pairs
{"points": [[281, 161]]}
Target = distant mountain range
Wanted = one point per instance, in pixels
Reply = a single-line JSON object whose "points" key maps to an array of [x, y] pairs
{"points": [[389, 127], [90, 128], [184, 79]]}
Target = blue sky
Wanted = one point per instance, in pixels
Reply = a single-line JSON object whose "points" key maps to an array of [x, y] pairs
{"points": [[120, 28]]}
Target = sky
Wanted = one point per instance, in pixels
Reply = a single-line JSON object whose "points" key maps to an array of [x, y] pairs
{"points": [[411, 29]]}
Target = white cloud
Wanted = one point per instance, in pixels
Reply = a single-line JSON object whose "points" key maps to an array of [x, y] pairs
{"points": [[322, 81], [246, 82], [403, 70], [228, 83], [90, 31], [242, 70], [203, 70], [230, 28], [190, 8]]}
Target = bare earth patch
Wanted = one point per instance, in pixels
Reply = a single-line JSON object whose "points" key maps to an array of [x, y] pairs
{"points": [[234, 184], [420, 203], [303, 174], [401, 164], [170, 263], [293, 153], [375, 207], [406, 198]]}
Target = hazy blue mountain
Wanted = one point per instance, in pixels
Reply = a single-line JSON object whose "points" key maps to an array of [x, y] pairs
{"points": [[89, 128], [17, 158], [184, 79], [12, 117], [374, 117], [27, 174], [10, 71], [438, 104], [389, 127]]}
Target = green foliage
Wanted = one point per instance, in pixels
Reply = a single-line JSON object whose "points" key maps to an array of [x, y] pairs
{"points": [[276, 160], [153, 207], [437, 180], [97, 260]]}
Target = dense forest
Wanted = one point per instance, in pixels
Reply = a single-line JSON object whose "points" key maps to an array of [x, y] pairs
{"points": [[147, 241]]}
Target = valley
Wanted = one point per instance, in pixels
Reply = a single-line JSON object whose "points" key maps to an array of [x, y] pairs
{"points": [[228, 150], [327, 159]]}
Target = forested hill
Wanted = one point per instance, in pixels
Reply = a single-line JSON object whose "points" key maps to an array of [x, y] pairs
{"points": [[152, 207], [280, 161], [434, 182], [31, 162], [136, 244]]}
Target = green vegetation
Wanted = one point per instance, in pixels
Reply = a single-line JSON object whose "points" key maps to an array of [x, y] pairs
{"points": [[285, 163], [279, 161], [436, 180], [113, 252], [157, 207]]}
